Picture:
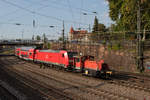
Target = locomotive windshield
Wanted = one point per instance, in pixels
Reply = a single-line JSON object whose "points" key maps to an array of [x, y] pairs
{"points": [[78, 60], [72, 54]]}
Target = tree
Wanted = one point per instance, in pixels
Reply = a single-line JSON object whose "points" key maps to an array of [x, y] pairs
{"points": [[98, 30], [112, 27], [33, 37], [48, 45], [38, 37], [45, 38], [124, 13], [95, 27], [101, 27], [98, 27], [60, 39]]}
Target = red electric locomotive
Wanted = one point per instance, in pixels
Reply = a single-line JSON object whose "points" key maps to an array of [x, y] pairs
{"points": [[61, 58]]}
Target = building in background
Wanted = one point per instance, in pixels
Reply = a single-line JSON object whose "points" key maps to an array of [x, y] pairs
{"points": [[79, 35]]}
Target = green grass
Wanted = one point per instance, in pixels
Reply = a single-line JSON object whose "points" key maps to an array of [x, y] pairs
{"points": [[8, 52]]}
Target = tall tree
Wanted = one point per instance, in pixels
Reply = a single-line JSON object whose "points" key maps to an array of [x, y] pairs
{"points": [[38, 37], [95, 27], [98, 27], [124, 13], [98, 30]]}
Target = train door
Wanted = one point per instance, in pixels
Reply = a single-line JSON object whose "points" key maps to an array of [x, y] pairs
{"points": [[60, 58]]}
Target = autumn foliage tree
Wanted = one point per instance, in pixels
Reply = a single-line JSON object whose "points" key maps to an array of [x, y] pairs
{"points": [[124, 13]]}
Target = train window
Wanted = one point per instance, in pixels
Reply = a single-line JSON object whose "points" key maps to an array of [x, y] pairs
{"points": [[72, 54], [104, 66], [91, 58], [62, 55], [30, 54]]}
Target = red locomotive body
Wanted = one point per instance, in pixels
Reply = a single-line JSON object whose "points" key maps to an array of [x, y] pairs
{"points": [[96, 68], [56, 57], [87, 65]]}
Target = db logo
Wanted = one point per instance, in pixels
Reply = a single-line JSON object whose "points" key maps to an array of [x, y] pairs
{"points": [[46, 57]]}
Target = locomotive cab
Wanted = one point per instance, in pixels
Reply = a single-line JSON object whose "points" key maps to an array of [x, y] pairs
{"points": [[79, 62], [71, 59]]}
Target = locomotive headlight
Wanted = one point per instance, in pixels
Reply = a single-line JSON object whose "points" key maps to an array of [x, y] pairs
{"points": [[86, 72], [109, 72]]}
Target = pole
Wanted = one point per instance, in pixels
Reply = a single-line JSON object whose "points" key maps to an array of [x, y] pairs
{"points": [[89, 28], [33, 29], [22, 33], [63, 33], [140, 65]]}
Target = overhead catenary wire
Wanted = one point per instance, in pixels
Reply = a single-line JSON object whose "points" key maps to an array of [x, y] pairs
{"points": [[65, 5], [81, 11], [67, 21], [52, 6], [58, 3], [14, 23], [18, 24], [16, 11], [70, 9], [33, 12], [28, 10], [40, 14]]}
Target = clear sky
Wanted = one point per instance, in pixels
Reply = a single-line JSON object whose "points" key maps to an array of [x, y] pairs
{"points": [[49, 13]]}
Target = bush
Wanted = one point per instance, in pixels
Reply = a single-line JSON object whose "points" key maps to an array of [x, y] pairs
{"points": [[115, 46], [48, 45]]}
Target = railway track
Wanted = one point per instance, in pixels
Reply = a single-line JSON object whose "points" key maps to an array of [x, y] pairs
{"points": [[7, 91], [6, 94], [83, 87], [48, 93], [132, 80], [132, 83]]}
